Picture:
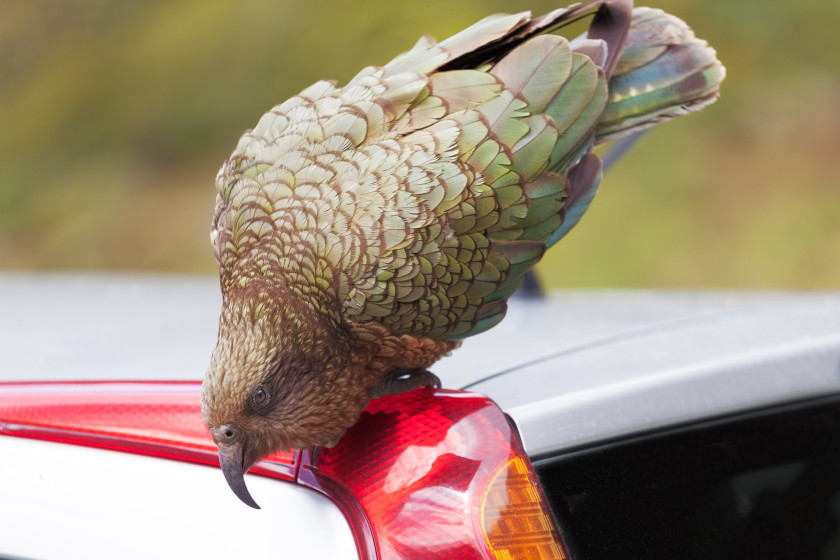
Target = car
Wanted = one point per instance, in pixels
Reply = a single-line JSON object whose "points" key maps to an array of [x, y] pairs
{"points": [[587, 425]]}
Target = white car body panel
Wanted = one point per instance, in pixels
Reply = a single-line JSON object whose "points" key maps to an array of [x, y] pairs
{"points": [[65, 501]]}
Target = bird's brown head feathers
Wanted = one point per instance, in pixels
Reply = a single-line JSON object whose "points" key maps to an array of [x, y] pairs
{"points": [[282, 376]]}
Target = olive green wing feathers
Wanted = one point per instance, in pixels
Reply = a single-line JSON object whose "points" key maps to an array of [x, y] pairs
{"points": [[420, 194], [494, 147], [518, 173]]}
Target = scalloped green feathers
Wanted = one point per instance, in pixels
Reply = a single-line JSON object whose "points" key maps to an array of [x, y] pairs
{"points": [[420, 194], [664, 72]]}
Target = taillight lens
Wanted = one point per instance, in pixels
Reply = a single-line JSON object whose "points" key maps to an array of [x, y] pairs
{"points": [[516, 519], [152, 418], [441, 474], [426, 474]]}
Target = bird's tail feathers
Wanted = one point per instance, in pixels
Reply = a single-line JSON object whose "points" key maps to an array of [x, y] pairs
{"points": [[664, 71]]}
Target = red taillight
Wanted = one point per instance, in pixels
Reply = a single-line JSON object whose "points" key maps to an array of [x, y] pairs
{"points": [[153, 418], [426, 474], [441, 474]]}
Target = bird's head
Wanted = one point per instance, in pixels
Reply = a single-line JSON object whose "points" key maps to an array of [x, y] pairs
{"points": [[280, 377]]}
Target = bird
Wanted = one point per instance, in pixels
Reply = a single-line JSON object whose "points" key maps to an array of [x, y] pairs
{"points": [[362, 231]]}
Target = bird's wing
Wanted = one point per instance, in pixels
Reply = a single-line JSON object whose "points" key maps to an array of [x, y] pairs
{"points": [[480, 167], [419, 194]]}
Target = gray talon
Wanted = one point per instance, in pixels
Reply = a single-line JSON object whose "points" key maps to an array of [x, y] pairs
{"points": [[402, 380]]}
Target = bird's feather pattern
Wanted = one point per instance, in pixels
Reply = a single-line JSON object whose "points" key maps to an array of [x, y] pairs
{"points": [[413, 196], [664, 72], [363, 230]]}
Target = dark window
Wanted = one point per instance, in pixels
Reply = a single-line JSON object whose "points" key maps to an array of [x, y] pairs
{"points": [[763, 485]]}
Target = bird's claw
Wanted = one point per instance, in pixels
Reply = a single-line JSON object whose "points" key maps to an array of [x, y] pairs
{"points": [[401, 380]]}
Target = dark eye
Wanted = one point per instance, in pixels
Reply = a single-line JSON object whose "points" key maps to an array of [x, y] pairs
{"points": [[260, 396]]}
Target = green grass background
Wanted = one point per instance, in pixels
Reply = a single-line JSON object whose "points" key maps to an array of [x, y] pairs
{"points": [[115, 116]]}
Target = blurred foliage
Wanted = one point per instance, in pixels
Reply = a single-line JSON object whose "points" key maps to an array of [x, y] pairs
{"points": [[114, 117]]}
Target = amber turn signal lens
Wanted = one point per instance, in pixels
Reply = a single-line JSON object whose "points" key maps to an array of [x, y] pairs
{"points": [[517, 523]]}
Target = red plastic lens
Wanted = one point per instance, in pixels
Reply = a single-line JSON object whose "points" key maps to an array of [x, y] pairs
{"points": [[421, 465], [154, 418]]}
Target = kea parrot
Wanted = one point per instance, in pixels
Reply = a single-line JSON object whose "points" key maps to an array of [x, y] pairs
{"points": [[362, 231]]}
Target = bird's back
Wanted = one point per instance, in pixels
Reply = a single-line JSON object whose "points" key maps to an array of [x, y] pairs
{"points": [[419, 194]]}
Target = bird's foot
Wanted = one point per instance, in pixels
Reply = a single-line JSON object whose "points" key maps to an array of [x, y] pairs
{"points": [[316, 449], [400, 380]]}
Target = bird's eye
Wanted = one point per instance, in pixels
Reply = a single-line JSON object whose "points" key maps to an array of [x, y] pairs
{"points": [[260, 396]]}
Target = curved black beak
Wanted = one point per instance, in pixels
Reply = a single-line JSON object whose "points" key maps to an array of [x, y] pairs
{"points": [[231, 459]]}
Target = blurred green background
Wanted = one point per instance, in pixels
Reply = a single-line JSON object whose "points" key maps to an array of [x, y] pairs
{"points": [[115, 116]]}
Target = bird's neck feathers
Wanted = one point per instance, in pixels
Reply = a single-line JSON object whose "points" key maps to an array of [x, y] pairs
{"points": [[277, 319], [261, 328]]}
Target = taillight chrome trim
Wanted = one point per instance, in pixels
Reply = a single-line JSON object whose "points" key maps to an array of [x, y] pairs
{"points": [[356, 515]]}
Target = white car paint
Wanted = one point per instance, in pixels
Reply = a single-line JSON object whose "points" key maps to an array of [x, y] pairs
{"points": [[65, 502]]}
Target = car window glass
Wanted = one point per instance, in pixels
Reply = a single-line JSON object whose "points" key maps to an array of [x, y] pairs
{"points": [[761, 485]]}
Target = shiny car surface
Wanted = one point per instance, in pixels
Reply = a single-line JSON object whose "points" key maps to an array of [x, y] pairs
{"points": [[620, 398]]}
